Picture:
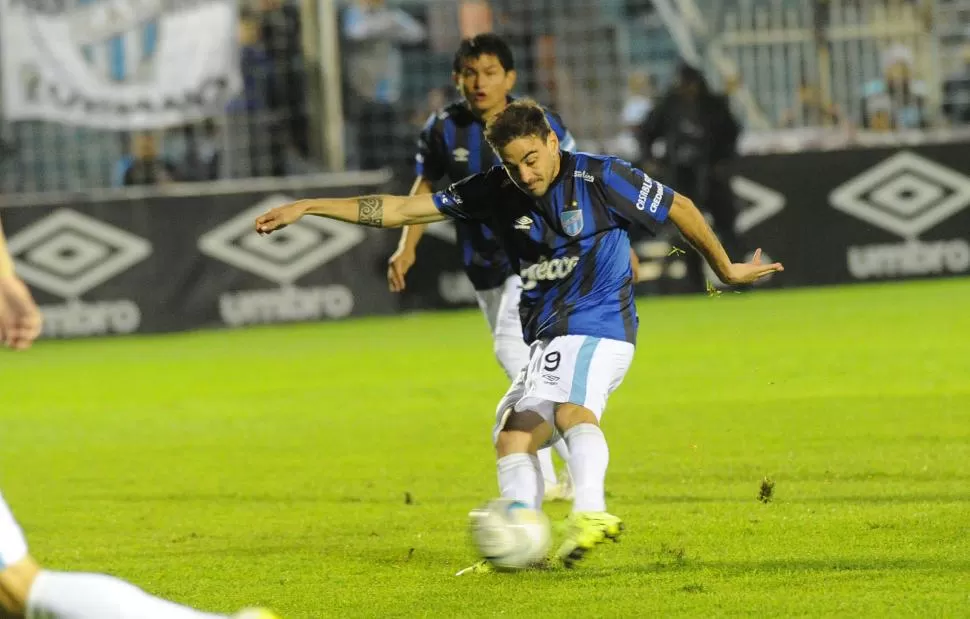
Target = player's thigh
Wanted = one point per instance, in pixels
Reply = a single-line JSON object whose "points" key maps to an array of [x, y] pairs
{"points": [[489, 301], [510, 349], [507, 406], [575, 369]]}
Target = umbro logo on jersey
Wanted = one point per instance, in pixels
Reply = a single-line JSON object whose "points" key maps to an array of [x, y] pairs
{"points": [[523, 223], [460, 155]]}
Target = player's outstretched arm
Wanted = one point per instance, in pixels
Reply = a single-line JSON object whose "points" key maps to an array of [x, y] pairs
{"points": [[691, 223], [405, 255], [378, 211]]}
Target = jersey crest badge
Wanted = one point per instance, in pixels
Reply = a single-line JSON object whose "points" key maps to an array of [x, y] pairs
{"points": [[572, 222]]}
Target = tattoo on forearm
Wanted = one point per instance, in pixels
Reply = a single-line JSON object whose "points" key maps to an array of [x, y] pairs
{"points": [[370, 211]]}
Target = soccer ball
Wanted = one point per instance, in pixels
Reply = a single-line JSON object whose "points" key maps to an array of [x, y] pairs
{"points": [[510, 534]]}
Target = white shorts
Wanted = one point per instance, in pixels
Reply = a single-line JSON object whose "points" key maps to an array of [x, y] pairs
{"points": [[13, 546], [577, 369], [501, 307]]}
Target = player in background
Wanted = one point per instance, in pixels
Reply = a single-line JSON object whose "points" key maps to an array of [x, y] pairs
{"points": [[26, 590], [452, 144], [563, 220]]}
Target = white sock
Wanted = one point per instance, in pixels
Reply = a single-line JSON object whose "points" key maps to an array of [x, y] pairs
{"points": [[589, 457], [67, 595], [540, 482], [512, 354], [547, 468], [562, 449], [520, 479]]}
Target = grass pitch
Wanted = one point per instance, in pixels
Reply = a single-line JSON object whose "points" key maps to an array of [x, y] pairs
{"points": [[327, 470]]}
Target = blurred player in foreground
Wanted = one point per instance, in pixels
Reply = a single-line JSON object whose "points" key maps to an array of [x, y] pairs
{"points": [[562, 219], [26, 590], [452, 144]]}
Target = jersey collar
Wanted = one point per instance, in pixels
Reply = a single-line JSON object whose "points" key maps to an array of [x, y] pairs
{"points": [[565, 161]]}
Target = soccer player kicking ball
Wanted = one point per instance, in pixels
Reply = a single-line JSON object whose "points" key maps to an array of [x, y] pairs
{"points": [[562, 219], [452, 144], [26, 590]]}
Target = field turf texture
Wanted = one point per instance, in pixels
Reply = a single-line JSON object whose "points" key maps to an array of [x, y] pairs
{"points": [[326, 470]]}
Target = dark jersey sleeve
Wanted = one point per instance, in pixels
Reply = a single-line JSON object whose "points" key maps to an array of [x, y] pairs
{"points": [[634, 196], [430, 161], [467, 199]]}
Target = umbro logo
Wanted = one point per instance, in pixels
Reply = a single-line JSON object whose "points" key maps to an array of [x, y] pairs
{"points": [[460, 155], [523, 223], [906, 194], [68, 254]]}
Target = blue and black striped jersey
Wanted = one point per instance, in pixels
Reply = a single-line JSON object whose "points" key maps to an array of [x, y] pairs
{"points": [[452, 144], [570, 246]]}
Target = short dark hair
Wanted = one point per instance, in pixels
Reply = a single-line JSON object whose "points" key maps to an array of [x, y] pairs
{"points": [[521, 118], [489, 44]]}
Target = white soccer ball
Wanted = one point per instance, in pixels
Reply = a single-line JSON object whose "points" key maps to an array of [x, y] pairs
{"points": [[510, 534]]}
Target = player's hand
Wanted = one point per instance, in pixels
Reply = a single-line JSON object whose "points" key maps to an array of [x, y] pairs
{"points": [[635, 266], [398, 266], [749, 272], [279, 217], [20, 320]]}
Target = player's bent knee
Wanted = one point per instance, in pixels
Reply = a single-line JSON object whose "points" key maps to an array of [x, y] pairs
{"points": [[511, 442], [15, 583], [569, 415]]}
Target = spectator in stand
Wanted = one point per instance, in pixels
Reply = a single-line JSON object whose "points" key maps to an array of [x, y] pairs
{"points": [[249, 116], [374, 34], [896, 101], [286, 93], [810, 110], [956, 92], [636, 107], [437, 99], [203, 152], [700, 136], [145, 166]]}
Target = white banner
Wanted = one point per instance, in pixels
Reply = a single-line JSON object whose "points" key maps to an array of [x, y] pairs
{"points": [[118, 64]]}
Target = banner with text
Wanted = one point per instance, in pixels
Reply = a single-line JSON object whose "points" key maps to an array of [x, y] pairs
{"points": [[118, 65]]}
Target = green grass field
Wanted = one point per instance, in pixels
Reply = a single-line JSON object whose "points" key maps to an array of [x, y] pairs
{"points": [[271, 465]]}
